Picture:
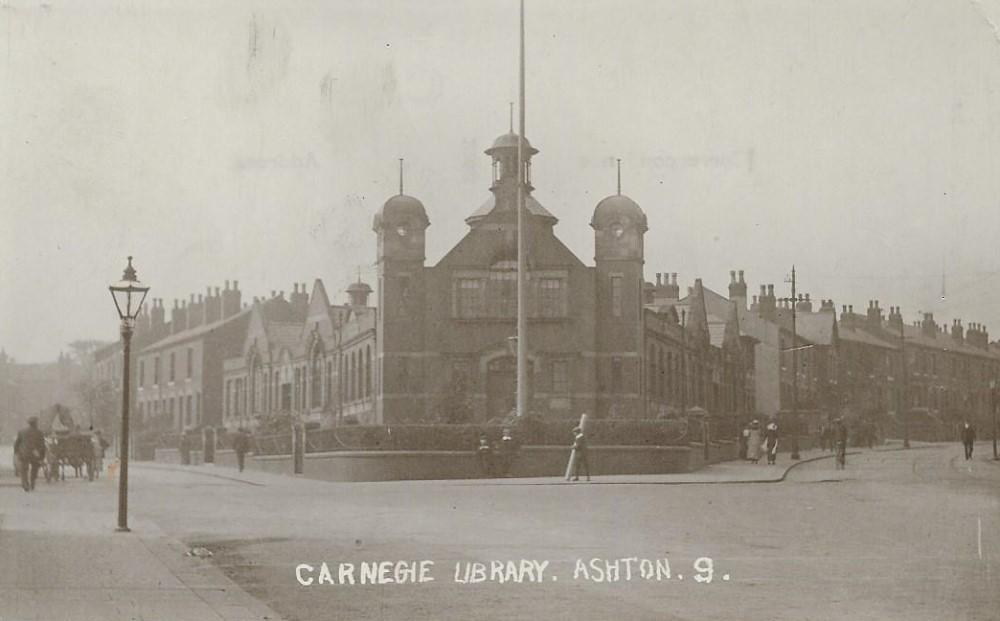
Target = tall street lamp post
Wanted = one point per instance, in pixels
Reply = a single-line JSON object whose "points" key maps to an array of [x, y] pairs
{"points": [[128, 295]]}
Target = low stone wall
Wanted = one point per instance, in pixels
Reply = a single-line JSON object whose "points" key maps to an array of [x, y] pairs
{"points": [[173, 456], [531, 461], [167, 456]]}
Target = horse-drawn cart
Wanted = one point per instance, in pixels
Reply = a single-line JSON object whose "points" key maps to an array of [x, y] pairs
{"points": [[75, 450]]}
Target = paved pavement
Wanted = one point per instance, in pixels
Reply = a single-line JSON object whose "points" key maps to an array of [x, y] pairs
{"points": [[61, 559], [898, 535]]}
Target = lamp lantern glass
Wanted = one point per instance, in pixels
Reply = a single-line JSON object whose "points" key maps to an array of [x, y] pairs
{"points": [[128, 294]]}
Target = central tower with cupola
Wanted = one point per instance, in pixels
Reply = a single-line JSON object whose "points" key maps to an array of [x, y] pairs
{"points": [[619, 226]]}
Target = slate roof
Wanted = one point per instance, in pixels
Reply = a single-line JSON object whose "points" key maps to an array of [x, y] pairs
{"points": [[530, 203]]}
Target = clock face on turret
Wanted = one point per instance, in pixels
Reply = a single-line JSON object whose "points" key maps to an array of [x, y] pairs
{"points": [[617, 230], [401, 231]]}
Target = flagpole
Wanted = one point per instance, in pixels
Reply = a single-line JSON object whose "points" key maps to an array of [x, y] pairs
{"points": [[522, 311]]}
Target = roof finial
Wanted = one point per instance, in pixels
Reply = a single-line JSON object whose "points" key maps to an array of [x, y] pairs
{"points": [[511, 117], [400, 176], [619, 160], [359, 273]]}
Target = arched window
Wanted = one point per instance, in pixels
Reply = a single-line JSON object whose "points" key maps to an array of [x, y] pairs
{"points": [[329, 383], [316, 397], [351, 384], [368, 370]]}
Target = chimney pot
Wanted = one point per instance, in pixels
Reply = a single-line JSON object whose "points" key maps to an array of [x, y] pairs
{"points": [[732, 275], [741, 276], [227, 285], [673, 278], [216, 292]]}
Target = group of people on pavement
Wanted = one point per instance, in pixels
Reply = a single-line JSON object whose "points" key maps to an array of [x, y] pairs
{"points": [[496, 458], [756, 440], [31, 453]]}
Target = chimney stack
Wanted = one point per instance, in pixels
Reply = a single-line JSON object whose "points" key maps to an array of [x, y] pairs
{"points": [[928, 327], [738, 289], [213, 306], [299, 298], [766, 304], [230, 301]]}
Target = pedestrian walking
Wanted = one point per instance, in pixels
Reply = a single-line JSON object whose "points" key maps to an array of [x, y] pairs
{"points": [[771, 442], [754, 441], [968, 439], [840, 442], [29, 448], [100, 446], [580, 448], [185, 449], [241, 444]]}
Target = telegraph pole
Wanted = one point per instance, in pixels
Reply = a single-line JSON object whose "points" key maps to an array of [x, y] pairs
{"points": [[795, 376]]}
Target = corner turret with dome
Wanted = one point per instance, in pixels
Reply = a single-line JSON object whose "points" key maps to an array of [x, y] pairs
{"points": [[618, 212], [401, 211], [619, 225]]}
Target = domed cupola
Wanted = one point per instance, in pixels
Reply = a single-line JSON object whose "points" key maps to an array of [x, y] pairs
{"points": [[504, 154], [401, 212], [619, 225], [400, 225]]}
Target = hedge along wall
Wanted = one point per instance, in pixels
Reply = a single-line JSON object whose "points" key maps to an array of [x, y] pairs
{"points": [[466, 437]]}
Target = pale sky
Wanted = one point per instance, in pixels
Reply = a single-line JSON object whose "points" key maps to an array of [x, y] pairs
{"points": [[254, 141]]}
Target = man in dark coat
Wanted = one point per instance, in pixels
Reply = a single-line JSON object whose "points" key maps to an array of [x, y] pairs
{"points": [[484, 452], [241, 444], [840, 442], [506, 450], [29, 448], [968, 438]]}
